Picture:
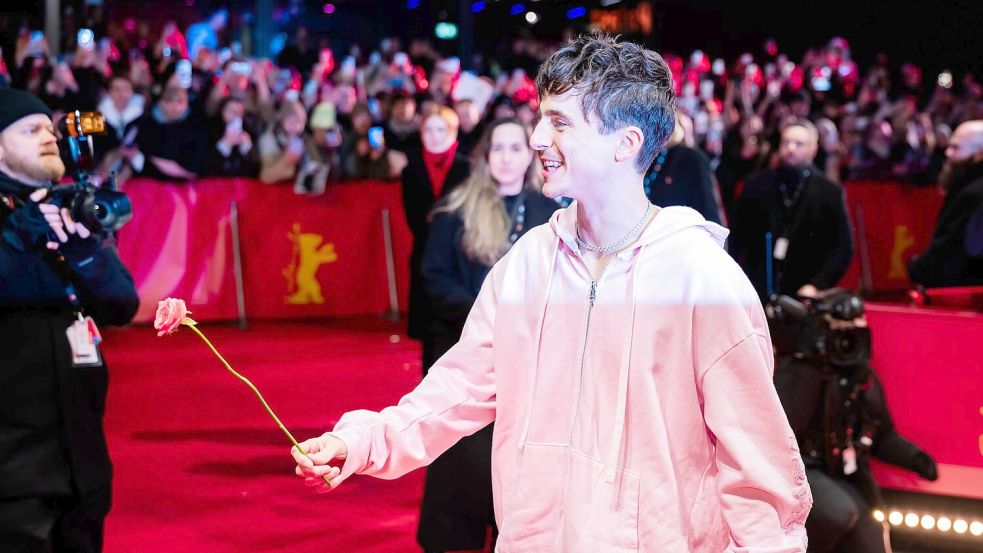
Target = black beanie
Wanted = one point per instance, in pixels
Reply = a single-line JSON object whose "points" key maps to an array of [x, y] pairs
{"points": [[15, 104]]}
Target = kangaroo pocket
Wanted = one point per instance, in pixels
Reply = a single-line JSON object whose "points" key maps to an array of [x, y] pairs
{"points": [[600, 515], [561, 502]]}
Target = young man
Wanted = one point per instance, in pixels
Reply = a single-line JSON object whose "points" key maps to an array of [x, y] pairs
{"points": [[622, 354]]}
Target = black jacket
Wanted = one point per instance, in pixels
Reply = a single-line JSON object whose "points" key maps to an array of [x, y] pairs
{"points": [[951, 258], [51, 436], [452, 279], [822, 404], [418, 200], [816, 225], [685, 178], [183, 141]]}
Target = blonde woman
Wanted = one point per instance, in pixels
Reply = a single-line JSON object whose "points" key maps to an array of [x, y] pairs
{"points": [[472, 228]]}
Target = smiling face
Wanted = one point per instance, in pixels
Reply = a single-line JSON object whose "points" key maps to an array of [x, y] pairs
{"points": [[576, 155]]}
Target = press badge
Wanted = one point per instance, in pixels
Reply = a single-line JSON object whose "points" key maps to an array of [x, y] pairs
{"points": [[83, 339], [781, 248]]}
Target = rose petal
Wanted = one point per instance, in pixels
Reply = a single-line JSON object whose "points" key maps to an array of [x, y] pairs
{"points": [[170, 313]]}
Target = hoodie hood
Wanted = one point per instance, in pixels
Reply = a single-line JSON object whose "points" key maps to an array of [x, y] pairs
{"points": [[668, 221]]}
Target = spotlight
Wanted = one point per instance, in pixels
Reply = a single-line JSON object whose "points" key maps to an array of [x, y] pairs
{"points": [[516, 9], [895, 518], [943, 524], [477, 6], [328, 8], [878, 515], [960, 526], [928, 522], [412, 4], [532, 17], [976, 528], [911, 520]]}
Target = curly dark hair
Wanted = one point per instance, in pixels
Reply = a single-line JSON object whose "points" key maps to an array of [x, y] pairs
{"points": [[619, 82]]}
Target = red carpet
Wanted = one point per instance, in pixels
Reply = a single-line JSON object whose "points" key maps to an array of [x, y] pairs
{"points": [[200, 466]]}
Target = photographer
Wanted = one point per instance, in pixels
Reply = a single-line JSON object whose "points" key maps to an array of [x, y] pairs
{"points": [[836, 407], [57, 281]]}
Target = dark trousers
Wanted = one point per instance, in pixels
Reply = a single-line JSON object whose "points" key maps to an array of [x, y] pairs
{"points": [[841, 519], [54, 525], [457, 508]]}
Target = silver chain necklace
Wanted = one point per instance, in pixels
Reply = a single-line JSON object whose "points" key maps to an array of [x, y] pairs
{"points": [[596, 249]]}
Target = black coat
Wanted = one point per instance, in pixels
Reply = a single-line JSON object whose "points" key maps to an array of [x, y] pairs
{"points": [[418, 200], [452, 279], [818, 231], [184, 141], [457, 497], [685, 178], [51, 436], [952, 258], [822, 404]]}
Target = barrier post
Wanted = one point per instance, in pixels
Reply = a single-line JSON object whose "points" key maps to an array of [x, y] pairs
{"points": [[237, 265], [866, 275], [393, 314]]}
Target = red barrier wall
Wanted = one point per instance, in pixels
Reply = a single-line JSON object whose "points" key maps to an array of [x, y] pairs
{"points": [[323, 255], [930, 362], [302, 256], [891, 222]]}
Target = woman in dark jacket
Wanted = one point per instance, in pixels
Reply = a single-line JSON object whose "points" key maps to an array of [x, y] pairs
{"points": [[231, 137], [473, 227], [430, 174]]}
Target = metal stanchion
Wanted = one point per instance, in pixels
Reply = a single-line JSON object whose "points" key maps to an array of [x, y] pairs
{"points": [[393, 313], [866, 277], [237, 265]]}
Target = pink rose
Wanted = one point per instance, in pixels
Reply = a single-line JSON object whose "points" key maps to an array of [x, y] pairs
{"points": [[170, 314]]}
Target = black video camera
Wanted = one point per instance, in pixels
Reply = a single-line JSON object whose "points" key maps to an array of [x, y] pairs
{"points": [[99, 208], [830, 330]]}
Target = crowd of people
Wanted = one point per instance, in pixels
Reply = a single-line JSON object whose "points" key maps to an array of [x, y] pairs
{"points": [[185, 103], [758, 144]]}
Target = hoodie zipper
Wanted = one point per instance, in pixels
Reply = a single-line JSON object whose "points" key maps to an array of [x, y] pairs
{"points": [[592, 297]]}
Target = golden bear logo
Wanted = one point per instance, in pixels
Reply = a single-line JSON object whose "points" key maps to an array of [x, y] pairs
{"points": [[301, 274], [902, 241]]}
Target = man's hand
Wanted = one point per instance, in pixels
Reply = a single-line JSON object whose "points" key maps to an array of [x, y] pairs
{"points": [[171, 168], [321, 451], [925, 467], [60, 221], [808, 291]]}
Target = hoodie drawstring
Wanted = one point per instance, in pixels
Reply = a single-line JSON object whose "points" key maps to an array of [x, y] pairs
{"points": [[539, 347], [621, 407]]}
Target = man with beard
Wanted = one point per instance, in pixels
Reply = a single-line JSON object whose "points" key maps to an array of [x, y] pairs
{"points": [[955, 255], [804, 213], [57, 281]]}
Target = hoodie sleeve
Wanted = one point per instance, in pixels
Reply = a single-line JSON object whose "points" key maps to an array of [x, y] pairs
{"points": [[761, 480], [455, 399]]}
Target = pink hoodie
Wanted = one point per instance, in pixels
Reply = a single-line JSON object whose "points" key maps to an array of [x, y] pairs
{"points": [[634, 413]]}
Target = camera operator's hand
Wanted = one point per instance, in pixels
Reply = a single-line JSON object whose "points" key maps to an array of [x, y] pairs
{"points": [[61, 223], [925, 467], [808, 291], [29, 225]]}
